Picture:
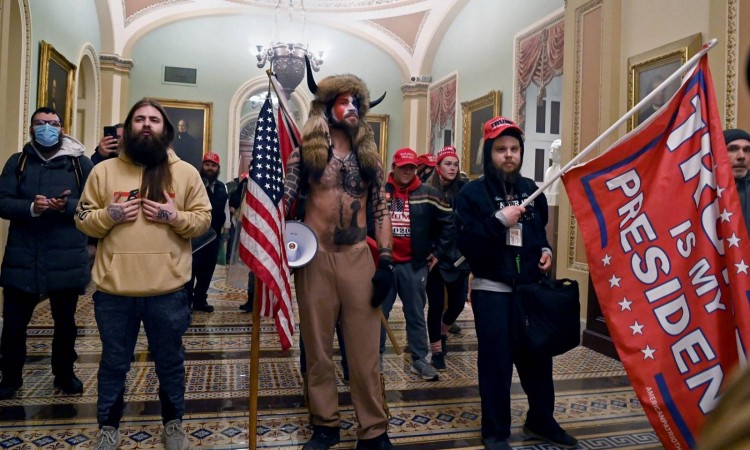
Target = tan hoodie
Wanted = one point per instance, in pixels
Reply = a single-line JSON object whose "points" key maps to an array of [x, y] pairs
{"points": [[142, 258]]}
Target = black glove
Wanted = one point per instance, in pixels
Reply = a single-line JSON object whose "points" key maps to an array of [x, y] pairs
{"points": [[382, 282]]}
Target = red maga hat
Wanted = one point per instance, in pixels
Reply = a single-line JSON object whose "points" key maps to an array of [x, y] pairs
{"points": [[428, 159], [213, 157], [405, 156], [498, 125]]}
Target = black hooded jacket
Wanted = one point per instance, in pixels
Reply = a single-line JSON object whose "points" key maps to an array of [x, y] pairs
{"points": [[481, 236]]}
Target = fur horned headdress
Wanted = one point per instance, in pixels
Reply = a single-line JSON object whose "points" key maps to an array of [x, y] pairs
{"points": [[316, 134]]}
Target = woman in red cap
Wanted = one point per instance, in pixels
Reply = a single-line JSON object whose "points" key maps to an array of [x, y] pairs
{"points": [[447, 277]]}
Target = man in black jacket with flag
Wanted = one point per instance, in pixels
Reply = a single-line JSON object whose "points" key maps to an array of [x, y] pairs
{"points": [[506, 245]]}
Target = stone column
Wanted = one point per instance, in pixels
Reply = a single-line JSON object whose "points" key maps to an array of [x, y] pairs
{"points": [[415, 115], [115, 83]]}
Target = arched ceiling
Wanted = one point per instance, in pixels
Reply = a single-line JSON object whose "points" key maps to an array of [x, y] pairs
{"points": [[408, 30]]}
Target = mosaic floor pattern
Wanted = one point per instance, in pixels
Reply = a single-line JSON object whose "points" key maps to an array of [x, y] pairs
{"points": [[594, 399]]}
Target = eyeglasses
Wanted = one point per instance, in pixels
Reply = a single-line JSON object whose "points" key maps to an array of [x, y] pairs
{"points": [[39, 123]]}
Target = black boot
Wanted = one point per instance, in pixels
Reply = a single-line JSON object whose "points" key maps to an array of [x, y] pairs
{"points": [[323, 438], [377, 443]]}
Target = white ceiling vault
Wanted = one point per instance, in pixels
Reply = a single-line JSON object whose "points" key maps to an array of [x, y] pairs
{"points": [[408, 30]]}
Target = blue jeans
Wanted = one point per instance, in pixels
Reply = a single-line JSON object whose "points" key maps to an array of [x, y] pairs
{"points": [[496, 355], [165, 318], [410, 282]]}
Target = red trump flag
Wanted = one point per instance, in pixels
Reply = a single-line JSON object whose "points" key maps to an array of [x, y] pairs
{"points": [[668, 255]]}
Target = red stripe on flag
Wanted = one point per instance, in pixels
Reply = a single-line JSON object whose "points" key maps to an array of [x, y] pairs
{"points": [[666, 248]]}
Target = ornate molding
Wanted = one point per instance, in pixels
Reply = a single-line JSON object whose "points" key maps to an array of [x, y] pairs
{"points": [[414, 90], [116, 64], [576, 138], [732, 63]]}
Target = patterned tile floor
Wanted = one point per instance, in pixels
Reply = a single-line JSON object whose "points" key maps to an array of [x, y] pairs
{"points": [[594, 399]]}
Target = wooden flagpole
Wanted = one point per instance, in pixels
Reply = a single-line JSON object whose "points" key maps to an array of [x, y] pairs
{"points": [[252, 434]]}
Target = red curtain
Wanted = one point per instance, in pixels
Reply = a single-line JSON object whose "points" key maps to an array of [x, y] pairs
{"points": [[442, 107], [540, 59]]}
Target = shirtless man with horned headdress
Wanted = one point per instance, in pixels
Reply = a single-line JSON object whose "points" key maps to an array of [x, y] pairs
{"points": [[338, 170]]}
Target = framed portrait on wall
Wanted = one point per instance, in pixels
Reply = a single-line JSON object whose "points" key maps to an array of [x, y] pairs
{"points": [[192, 123], [56, 78], [441, 107], [648, 70], [379, 125], [475, 113]]}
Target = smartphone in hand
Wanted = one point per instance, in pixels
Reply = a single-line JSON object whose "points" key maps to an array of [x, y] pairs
{"points": [[110, 132]]}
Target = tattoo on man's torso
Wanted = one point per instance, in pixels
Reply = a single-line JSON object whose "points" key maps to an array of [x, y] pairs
{"points": [[350, 233]]}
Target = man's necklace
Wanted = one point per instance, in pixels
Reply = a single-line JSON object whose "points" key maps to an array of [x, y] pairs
{"points": [[343, 165]]}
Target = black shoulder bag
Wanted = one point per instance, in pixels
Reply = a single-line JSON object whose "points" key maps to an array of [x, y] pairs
{"points": [[550, 316]]}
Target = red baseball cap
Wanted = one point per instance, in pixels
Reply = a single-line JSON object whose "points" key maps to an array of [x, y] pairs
{"points": [[498, 125], [446, 151], [404, 156], [213, 157], [428, 159]]}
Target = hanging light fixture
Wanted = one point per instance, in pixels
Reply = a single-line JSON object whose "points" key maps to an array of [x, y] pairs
{"points": [[287, 61]]}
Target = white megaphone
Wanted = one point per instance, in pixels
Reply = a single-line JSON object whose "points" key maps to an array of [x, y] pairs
{"points": [[300, 242]]}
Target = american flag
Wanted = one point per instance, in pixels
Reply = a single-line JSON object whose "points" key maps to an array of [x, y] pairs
{"points": [[262, 234]]}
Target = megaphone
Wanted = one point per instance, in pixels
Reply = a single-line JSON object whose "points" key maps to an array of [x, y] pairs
{"points": [[300, 242]]}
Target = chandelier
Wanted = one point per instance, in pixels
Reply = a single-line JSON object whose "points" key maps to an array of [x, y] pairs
{"points": [[287, 61]]}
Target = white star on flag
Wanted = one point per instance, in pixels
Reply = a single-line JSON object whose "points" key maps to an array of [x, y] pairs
{"points": [[719, 190], [636, 327], [625, 304], [606, 260], [734, 240], [648, 352], [725, 215], [742, 267], [614, 281]]}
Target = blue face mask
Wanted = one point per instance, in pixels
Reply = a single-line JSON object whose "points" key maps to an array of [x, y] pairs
{"points": [[46, 135]]}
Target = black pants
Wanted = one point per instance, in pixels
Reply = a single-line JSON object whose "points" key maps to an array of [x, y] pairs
{"points": [[18, 307], [204, 263], [493, 317], [436, 287]]}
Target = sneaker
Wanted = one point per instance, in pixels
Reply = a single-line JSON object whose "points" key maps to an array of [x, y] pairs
{"points": [[377, 443], [454, 329], [107, 439], [8, 390], [205, 308], [496, 444], [424, 370], [69, 385], [438, 361], [174, 437], [558, 437], [323, 438]]}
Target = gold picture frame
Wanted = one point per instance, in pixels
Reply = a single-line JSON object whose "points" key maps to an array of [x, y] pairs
{"points": [[197, 116], [475, 113], [647, 70], [379, 125], [56, 81]]}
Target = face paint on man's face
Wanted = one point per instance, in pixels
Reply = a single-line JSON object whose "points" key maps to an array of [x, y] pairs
{"points": [[345, 109]]}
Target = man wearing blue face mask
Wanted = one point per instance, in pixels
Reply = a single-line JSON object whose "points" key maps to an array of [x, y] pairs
{"points": [[45, 255]]}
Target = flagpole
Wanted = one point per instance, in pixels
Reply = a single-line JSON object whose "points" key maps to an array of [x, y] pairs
{"points": [[252, 435], [688, 65]]}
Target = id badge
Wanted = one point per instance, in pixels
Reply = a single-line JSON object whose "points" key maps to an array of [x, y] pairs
{"points": [[514, 237]]}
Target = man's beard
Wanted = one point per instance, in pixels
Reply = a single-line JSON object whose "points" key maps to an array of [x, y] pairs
{"points": [[509, 178], [345, 126], [211, 177], [47, 151], [148, 150]]}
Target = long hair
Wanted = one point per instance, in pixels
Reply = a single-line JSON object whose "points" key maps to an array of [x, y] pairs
{"points": [[156, 178]]}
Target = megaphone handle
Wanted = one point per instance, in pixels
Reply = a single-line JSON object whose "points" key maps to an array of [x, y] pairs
{"points": [[388, 331]]}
